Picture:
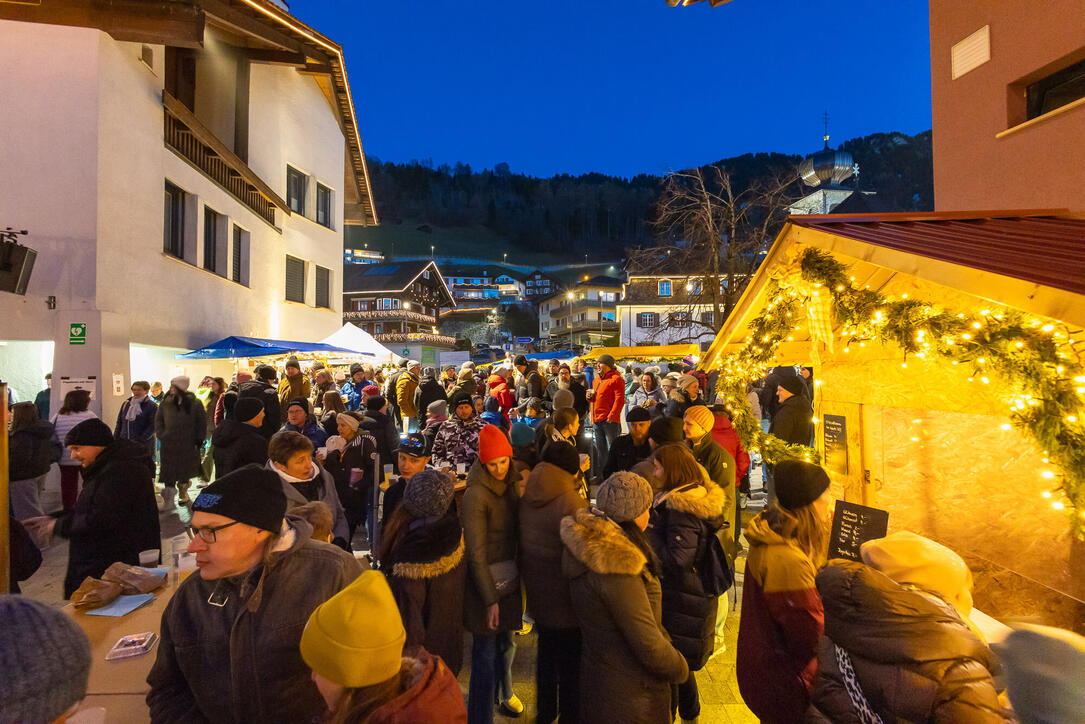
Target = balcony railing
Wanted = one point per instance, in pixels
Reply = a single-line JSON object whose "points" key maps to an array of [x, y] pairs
{"points": [[582, 305], [586, 325], [389, 315], [415, 338], [186, 136]]}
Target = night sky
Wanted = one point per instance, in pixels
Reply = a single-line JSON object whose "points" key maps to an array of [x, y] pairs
{"points": [[624, 87]]}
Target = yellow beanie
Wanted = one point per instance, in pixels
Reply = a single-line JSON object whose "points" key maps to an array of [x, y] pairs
{"points": [[911, 559], [356, 637], [702, 417]]}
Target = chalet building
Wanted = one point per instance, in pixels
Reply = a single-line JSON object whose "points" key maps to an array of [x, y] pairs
{"points": [[539, 285], [662, 308], [400, 305], [240, 115], [483, 288], [584, 314]]}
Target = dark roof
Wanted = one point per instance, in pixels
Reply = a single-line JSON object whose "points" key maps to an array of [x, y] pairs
{"points": [[382, 277], [861, 203], [1035, 246]]}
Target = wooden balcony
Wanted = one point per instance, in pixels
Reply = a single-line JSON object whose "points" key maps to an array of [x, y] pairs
{"points": [[186, 136], [389, 315], [437, 340]]}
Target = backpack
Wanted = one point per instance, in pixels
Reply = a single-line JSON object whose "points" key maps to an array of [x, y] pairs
{"points": [[716, 570]]}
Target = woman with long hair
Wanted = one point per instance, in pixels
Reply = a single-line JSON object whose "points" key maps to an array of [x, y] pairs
{"points": [[331, 404], [71, 413], [782, 614], [181, 427], [627, 663], [354, 644], [32, 450], [689, 511], [422, 556], [649, 395]]}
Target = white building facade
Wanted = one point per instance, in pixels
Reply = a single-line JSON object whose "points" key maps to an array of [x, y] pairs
{"points": [[665, 309], [176, 192]]}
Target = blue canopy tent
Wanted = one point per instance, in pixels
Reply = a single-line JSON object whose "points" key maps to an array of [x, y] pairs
{"points": [[232, 347]]}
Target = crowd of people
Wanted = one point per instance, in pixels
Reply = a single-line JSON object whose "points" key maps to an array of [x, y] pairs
{"points": [[349, 532]]}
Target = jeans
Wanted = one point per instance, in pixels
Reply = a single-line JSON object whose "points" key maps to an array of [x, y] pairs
{"points": [[491, 675], [605, 434], [557, 675], [684, 697]]}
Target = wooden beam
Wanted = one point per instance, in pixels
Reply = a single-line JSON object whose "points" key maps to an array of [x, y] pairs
{"points": [[315, 69], [157, 22], [256, 27], [276, 57]]}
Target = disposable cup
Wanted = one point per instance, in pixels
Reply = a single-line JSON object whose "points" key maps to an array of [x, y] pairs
{"points": [[148, 558]]}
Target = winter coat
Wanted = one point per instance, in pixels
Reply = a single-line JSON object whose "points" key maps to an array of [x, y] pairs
{"points": [[389, 393], [769, 401], [488, 513], [755, 403], [325, 492], [430, 430], [627, 663], [357, 453], [793, 421], [678, 401], [311, 430], [551, 494], [406, 386], [353, 392], [427, 573], [273, 416], [624, 454], [224, 407], [209, 407], [241, 661], [914, 658], [530, 385], [782, 619], [468, 387], [292, 386], [724, 433], [456, 442], [180, 434], [499, 389], [641, 398], [383, 430], [679, 528], [62, 425], [142, 428], [115, 515], [319, 388], [32, 450], [236, 444], [721, 470], [580, 398], [41, 401], [428, 392], [432, 696], [609, 400]]}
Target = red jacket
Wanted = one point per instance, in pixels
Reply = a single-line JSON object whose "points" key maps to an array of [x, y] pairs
{"points": [[433, 695], [609, 400], [499, 388], [726, 435]]}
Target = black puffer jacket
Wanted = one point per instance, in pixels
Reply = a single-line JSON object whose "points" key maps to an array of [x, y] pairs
{"points": [[383, 429], [793, 421], [236, 444], [32, 450], [429, 391], [115, 516], [914, 658], [680, 523], [270, 397]]}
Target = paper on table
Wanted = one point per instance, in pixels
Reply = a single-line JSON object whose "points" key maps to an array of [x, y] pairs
{"points": [[123, 605]]}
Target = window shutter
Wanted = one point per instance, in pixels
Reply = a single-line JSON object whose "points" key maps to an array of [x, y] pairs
{"points": [[295, 280], [323, 282], [236, 260]]}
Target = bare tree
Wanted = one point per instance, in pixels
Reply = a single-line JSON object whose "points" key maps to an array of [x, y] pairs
{"points": [[710, 236]]}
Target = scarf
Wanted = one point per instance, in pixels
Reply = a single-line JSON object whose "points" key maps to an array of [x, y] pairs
{"points": [[134, 408]]}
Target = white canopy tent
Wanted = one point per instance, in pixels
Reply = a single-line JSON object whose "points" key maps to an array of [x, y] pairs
{"points": [[354, 338]]}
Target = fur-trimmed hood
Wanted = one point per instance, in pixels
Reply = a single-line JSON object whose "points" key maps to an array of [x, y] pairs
{"points": [[705, 501], [599, 544], [430, 549]]}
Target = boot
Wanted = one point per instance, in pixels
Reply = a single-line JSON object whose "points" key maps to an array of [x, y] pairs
{"points": [[182, 493]]}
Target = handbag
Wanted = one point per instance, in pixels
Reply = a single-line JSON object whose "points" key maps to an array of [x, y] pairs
{"points": [[717, 572], [506, 576]]}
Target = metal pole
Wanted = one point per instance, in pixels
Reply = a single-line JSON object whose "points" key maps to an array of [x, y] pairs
{"points": [[5, 519]]}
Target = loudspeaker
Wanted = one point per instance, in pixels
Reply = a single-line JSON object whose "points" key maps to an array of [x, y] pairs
{"points": [[16, 264]]}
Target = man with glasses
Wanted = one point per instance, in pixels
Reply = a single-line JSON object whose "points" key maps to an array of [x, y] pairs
{"points": [[230, 635]]}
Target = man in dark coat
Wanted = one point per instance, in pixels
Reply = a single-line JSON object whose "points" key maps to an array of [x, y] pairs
{"points": [[631, 448], [238, 440], [380, 425], [429, 391], [531, 382], [116, 515], [263, 389], [389, 392], [794, 418], [697, 427]]}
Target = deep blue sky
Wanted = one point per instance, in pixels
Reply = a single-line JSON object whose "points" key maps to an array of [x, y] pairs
{"points": [[624, 86]]}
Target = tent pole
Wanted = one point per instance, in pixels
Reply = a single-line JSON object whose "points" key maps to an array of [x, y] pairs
{"points": [[5, 517]]}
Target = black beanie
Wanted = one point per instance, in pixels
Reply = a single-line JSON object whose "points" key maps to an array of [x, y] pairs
{"points": [[461, 398], [798, 483], [375, 403], [793, 384], [265, 373], [563, 455], [293, 362], [638, 414], [252, 495], [300, 402], [666, 430], [89, 432], [355, 368], [520, 360], [247, 408]]}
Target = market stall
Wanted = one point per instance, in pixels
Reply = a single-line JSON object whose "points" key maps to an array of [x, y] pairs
{"points": [[653, 353], [949, 389], [356, 339]]}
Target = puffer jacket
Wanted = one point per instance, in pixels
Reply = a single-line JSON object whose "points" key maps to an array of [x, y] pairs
{"points": [[681, 522], [241, 661], [488, 514], [724, 433], [721, 470], [499, 388], [782, 619], [456, 442], [551, 494], [913, 656], [609, 400], [644, 398], [627, 663], [428, 392], [793, 421], [431, 695], [32, 450], [427, 573], [273, 414]]}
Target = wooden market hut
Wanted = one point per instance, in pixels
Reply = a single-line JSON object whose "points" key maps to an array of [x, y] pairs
{"points": [[947, 353]]}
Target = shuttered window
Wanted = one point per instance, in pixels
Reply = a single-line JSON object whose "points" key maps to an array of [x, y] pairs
{"points": [[295, 190], [295, 280], [323, 287], [239, 240], [648, 319], [323, 206]]}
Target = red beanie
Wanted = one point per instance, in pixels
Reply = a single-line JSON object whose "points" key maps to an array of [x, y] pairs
{"points": [[493, 444]]}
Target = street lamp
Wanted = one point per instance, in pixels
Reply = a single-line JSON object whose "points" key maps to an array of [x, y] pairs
{"points": [[431, 251], [569, 296], [504, 257]]}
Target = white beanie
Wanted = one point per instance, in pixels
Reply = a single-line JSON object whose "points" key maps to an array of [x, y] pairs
{"points": [[1045, 674], [181, 382]]}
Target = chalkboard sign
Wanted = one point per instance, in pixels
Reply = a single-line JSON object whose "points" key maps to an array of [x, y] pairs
{"points": [[854, 525], [835, 432]]}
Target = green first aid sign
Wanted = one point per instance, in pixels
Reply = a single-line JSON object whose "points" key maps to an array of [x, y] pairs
{"points": [[77, 333], [406, 352]]}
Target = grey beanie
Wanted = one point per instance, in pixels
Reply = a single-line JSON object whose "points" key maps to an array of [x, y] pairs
{"points": [[623, 496], [428, 493], [563, 398], [438, 408], [44, 661]]}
